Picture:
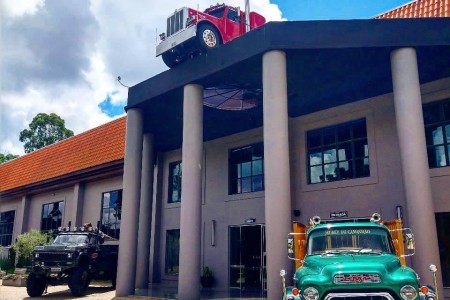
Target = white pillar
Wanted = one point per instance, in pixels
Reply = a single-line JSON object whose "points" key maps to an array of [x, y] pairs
{"points": [[191, 195], [413, 153], [130, 204], [276, 169], [145, 214]]}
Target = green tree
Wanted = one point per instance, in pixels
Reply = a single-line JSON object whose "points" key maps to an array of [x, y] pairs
{"points": [[7, 156], [44, 130], [25, 244]]}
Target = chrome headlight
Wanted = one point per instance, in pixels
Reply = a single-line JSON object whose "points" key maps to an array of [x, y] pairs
{"points": [[408, 292], [311, 293], [69, 255], [36, 255]]}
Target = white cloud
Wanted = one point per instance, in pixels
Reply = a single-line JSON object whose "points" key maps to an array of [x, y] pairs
{"points": [[65, 56], [18, 8]]}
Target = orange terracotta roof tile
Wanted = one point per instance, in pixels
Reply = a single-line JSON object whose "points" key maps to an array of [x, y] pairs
{"points": [[419, 9], [92, 148]]}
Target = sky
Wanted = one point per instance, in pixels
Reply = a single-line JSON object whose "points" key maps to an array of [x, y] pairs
{"points": [[65, 56]]}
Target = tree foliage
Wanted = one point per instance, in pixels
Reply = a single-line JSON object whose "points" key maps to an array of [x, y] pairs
{"points": [[25, 243], [44, 130], [6, 157]]}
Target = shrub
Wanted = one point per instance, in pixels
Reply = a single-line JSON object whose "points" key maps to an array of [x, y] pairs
{"points": [[25, 244]]}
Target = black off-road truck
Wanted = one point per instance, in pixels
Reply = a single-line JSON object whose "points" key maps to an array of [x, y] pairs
{"points": [[75, 258]]}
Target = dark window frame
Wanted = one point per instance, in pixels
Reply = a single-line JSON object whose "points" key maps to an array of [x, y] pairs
{"points": [[436, 116], [172, 258], [111, 226], [246, 172], [7, 219], [174, 177], [342, 148], [49, 213]]}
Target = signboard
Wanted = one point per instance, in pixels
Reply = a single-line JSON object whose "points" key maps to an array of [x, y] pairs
{"points": [[339, 214]]}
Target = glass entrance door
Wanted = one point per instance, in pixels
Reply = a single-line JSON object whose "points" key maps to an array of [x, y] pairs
{"points": [[247, 263]]}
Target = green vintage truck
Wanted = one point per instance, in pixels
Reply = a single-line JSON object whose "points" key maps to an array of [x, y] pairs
{"points": [[357, 259]]}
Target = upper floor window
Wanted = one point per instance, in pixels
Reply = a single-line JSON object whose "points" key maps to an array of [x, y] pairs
{"points": [[6, 227], [52, 215], [174, 182], [436, 117], [246, 169], [111, 213], [338, 152]]}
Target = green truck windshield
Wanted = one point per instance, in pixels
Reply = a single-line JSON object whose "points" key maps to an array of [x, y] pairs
{"points": [[354, 239]]}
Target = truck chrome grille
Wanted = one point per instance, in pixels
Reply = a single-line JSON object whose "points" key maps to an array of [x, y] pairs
{"points": [[175, 22], [360, 296]]}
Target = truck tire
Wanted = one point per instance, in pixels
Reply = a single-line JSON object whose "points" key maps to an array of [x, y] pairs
{"points": [[35, 285], [208, 37], [169, 59], [79, 281]]}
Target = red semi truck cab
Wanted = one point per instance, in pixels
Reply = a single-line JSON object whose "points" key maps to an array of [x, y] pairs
{"points": [[190, 31]]}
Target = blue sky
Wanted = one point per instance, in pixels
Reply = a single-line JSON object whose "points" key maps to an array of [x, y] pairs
{"points": [[335, 9], [294, 10], [84, 45]]}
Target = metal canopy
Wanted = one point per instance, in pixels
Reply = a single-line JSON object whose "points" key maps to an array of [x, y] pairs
{"points": [[329, 63]]}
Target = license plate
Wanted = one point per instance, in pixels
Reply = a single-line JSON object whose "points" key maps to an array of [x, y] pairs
{"points": [[55, 270], [357, 278]]}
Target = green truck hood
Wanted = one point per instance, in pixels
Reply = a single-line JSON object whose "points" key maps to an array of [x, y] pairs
{"points": [[320, 271]]}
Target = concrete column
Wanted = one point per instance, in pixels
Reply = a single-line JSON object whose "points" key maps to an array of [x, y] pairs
{"points": [[130, 204], [276, 169], [145, 213], [21, 218], [191, 198], [75, 212], [155, 242], [413, 152]]}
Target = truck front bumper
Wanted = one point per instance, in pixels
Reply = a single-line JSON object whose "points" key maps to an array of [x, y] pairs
{"points": [[176, 39]]}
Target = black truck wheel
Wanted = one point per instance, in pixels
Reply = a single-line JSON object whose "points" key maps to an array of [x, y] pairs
{"points": [[208, 37], [35, 285], [79, 281], [169, 59]]}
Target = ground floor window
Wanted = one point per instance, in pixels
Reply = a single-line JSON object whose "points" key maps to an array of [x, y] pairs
{"points": [[6, 227], [172, 251], [52, 215], [443, 230], [111, 213]]}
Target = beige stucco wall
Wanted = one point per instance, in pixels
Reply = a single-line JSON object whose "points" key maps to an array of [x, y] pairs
{"points": [[38, 200]]}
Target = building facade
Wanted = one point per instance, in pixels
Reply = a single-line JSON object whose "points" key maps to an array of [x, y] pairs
{"points": [[349, 118]]}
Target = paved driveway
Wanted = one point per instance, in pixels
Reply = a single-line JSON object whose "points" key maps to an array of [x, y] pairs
{"points": [[97, 292]]}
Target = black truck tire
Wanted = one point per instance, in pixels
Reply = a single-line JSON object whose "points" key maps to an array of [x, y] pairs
{"points": [[79, 281], [208, 37], [35, 285], [169, 59]]}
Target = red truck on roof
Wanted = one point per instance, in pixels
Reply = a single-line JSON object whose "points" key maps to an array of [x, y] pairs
{"points": [[190, 32]]}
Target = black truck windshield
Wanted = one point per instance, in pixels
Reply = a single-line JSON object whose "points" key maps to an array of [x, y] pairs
{"points": [[65, 239], [355, 240]]}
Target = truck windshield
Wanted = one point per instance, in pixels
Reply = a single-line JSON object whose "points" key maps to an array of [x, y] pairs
{"points": [[354, 240], [218, 13], [65, 239]]}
